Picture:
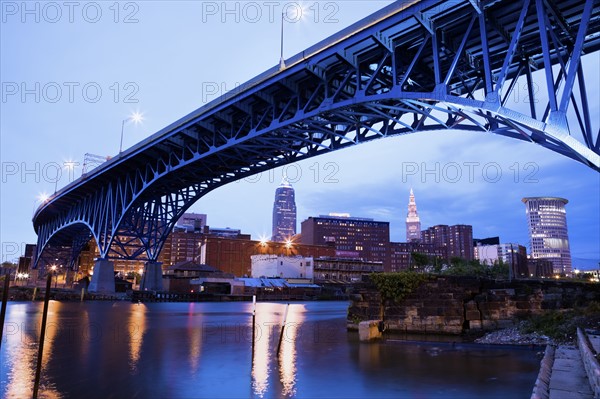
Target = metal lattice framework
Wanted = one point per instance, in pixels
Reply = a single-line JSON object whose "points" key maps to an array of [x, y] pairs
{"points": [[429, 65]]}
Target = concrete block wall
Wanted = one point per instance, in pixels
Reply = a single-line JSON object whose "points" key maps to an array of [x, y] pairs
{"points": [[590, 362], [541, 388]]}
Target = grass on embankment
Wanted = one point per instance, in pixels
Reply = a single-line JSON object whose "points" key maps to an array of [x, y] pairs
{"points": [[561, 325]]}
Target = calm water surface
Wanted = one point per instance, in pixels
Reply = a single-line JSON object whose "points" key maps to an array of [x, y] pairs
{"points": [[204, 350]]}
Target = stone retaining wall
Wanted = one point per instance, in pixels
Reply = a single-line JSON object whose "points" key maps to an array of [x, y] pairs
{"points": [[455, 305]]}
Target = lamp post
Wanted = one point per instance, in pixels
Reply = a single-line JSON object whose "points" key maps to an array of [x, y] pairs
{"points": [[53, 268], [41, 198], [136, 118], [69, 165], [299, 14], [141, 273], [281, 61]]}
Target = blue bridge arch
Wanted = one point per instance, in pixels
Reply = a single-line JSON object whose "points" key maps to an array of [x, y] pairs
{"points": [[411, 67]]}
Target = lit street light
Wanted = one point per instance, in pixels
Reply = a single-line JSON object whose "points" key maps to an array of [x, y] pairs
{"points": [[136, 118], [41, 199], [53, 268], [68, 165], [21, 277]]}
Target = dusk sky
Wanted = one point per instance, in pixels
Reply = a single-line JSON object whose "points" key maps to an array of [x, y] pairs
{"points": [[71, 74]]}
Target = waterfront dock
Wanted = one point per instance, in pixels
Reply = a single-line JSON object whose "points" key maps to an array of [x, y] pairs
{"points": [[570, 371]]}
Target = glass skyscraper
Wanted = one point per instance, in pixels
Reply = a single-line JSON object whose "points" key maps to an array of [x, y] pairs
{"points": [[548, 236], [284, 213]]}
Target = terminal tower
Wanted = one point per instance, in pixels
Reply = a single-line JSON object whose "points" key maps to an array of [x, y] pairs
{"points": [[413, 223]]}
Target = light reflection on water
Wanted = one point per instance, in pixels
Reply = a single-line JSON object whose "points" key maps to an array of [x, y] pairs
{"points": [[197, 350], [287, 357], [21, 346], [136, 329], [195, 338], [261, 359], [265, 359]]}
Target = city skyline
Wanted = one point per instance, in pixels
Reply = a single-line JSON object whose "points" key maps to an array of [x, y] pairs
{"points": [[347, 199], [460, 177]]}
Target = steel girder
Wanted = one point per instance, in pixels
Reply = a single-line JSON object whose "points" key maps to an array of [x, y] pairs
{"points": [[432, 65]]}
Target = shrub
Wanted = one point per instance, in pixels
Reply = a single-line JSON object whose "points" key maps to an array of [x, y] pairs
{"points": [[396, 286]]}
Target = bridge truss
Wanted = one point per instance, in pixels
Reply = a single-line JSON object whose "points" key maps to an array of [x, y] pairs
{"points": [[411, 67]]}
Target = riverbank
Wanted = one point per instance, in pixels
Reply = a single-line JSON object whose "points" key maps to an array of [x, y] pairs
{"points": [[514, 336]]}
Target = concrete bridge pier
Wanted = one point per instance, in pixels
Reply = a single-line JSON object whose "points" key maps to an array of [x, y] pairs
{"points": [[103, 279], [152, 277]]}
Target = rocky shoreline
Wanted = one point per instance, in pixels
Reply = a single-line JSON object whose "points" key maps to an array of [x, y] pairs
{"points": [[513, 336]]}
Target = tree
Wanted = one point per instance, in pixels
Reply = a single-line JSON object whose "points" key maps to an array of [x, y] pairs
{"points": [[420, 261]]}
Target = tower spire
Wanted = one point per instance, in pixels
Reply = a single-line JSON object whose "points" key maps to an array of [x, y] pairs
{"points": [[413, 223], [285, 182]]}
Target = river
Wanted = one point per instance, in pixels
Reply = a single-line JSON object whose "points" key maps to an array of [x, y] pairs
{"points": [[204, 350]]}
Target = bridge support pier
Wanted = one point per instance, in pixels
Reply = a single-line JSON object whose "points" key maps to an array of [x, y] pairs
{"points": [[103, 279], [152, 278]]}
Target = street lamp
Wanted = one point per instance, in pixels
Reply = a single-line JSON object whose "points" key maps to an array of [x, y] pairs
{"points": [[21, 277], [69, 165], [281, 61], [299, 13], [141, 273], [41, 198], [288, 246], [136, 118], [53, 268]]}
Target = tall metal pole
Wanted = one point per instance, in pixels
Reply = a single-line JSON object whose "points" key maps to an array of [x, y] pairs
{"points": [[281, 61], [38, 369], [122, 128], [282, 328], [253, 323], [4, 302]]}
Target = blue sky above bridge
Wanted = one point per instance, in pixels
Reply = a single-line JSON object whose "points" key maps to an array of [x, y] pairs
{"points": [[72, 73]]}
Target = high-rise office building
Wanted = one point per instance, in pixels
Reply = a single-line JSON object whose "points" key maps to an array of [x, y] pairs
{"points": [[547, 219], [284, 213], [461, 241], [401, 254], [453, 241], [359, 238], [413, 223]]}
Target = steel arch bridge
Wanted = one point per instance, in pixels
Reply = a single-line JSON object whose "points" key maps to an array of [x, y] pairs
{"points": [[410, 67]]}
